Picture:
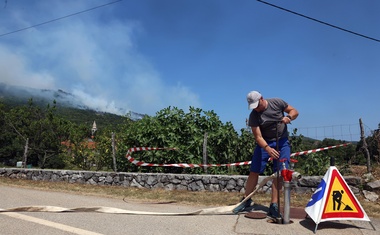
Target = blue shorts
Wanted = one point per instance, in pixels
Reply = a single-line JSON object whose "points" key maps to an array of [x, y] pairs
{"points": [[260, 156]]}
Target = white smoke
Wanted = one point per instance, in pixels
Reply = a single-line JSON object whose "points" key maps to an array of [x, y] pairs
{"points": [[96, 61]]}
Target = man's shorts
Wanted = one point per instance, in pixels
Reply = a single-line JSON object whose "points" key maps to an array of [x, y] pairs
{"points": [[260, 156]]}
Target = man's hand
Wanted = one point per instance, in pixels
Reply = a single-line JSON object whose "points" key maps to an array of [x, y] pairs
{"points": [[273, 153], [286, 120]]}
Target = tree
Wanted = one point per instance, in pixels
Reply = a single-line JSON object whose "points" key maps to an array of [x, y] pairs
{"points": [[174, 128], [42, 128], [80, 150], [10, 147], [102, 158]]}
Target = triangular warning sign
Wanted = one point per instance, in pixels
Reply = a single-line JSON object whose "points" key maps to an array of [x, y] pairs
{"points": [[341, 202], [334, 200]]}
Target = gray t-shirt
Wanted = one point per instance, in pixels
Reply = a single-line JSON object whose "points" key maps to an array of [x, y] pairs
{"points": [[269, 119]]}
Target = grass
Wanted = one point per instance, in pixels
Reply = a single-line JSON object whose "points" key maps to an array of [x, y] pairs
{"points": [[208, 199]]}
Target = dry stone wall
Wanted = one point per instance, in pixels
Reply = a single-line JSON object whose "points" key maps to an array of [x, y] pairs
{"points": [[222, 183]]}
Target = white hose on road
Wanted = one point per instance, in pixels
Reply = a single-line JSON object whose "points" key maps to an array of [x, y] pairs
{"points": [[207, 211]]}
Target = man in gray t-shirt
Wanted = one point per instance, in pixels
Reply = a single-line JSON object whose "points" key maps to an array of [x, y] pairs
{"points": [[268, 120], [269, 126]]}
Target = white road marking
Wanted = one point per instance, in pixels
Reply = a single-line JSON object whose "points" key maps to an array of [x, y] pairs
{"points": [[50, 224]]}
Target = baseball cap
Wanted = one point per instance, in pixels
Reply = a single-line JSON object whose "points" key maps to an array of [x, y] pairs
{"points": [[253, 98]]}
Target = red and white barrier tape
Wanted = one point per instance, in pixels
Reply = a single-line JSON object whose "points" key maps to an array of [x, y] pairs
{"points": [[317, 150], [187, 165]]}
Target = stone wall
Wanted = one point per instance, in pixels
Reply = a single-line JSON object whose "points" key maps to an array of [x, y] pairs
{"points": [[223, 183]]}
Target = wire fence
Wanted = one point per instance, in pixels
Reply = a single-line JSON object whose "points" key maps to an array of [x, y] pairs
{"points": [[347, 132]]}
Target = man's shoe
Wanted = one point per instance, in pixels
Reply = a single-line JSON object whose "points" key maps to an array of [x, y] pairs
{"points": [[242, 206], [273, 211]]}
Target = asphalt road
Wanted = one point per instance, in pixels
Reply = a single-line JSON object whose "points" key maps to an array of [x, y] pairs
{"points": [[88, 223]]}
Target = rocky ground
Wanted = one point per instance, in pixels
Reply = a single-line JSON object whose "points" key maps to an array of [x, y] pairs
{"points": [[372, 189]]}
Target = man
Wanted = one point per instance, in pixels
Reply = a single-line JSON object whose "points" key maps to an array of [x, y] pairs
{"points": [[269, 125]]}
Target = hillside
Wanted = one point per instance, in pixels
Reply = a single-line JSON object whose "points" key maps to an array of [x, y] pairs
{"points": [[68, 106]]}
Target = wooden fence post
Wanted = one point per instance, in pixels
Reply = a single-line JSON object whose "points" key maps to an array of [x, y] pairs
{"points": [[26, 152], [205, 152], [365, 147], [114, 152]]}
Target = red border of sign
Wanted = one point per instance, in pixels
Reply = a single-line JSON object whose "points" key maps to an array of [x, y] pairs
{"points": [[358, 214]]}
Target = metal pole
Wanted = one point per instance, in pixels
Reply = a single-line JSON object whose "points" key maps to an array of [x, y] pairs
{"points": [[279, 219], [286, 202]]}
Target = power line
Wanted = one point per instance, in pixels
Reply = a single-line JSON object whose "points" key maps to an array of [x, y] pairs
{"points": [[319, 21], [60, 18]]}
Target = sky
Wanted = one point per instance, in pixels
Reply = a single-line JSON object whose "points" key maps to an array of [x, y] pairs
{"points": [[147, 55]]}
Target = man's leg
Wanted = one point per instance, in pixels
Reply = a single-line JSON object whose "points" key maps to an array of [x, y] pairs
{"points": [[249, 187], [274, 211], [284, 147], [275, 190], [256, 165], [251, 183]]}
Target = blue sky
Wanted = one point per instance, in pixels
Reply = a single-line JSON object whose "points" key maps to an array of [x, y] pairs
{"points": [[147, 55]]}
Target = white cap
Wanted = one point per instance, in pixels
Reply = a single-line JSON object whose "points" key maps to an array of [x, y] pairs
{"points": [[253, 98]]}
